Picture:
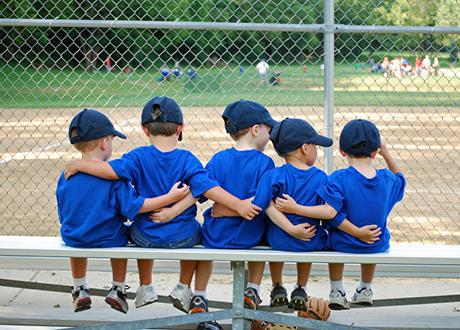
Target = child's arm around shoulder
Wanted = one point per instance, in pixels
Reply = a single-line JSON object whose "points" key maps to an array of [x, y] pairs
{"points": [[97, 168], [368, 234], [168, 213], [287, 204], [175, 194]]}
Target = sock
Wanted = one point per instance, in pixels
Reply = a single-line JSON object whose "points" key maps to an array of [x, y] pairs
{"points": [[254, 286], [201, 293], [120, 284], [182, 285], [337, 285], [364, 285], [80, 282]]}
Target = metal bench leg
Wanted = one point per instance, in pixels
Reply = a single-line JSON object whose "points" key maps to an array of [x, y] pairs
{"points": [[238, 295]]}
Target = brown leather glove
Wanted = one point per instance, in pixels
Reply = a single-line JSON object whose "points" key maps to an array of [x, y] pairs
{"points": [[318, 309]]}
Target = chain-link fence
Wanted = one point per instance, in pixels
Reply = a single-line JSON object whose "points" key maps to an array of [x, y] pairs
{"points": [[393, 62]]}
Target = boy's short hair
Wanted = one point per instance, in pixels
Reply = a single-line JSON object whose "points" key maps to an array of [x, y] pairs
{"points": [[164, 129], [161, 116], [238, 135], [360, 138], [84, 146]]}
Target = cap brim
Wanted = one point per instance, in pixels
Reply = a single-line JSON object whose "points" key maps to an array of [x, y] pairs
{"points": [[271, 122], [322, 141], [119, 134]]}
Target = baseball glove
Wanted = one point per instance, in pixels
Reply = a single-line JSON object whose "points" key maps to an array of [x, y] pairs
{"points": [[318, 309]]}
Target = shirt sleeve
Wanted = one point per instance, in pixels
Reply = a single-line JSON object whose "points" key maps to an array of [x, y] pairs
{"points": [[127, 167], [197, 177], [338, 219], [127, 201], [267, 189], [332, 193]]}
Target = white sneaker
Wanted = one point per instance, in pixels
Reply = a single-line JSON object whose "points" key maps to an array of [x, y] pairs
{"points": [[145, 295], [338, 300], [363, 296], [181, 297]]}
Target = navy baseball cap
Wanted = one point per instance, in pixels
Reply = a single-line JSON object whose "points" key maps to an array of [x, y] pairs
{"points": [[162, 109], [360, 137], [91, 125], [244, 114], [291, 133]]}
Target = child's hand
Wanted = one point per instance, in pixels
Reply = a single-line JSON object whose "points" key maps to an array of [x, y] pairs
{"points": [[303, 231], [163, 215], [286, 204], [70, 169], [247, 210], [369, 234], [383, 151], [176, 193]]}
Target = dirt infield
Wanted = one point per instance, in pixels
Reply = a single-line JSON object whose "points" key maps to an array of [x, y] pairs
{"points": [[34, 148]]}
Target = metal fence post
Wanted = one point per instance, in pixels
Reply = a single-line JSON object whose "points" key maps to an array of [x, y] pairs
{"points": [[329, 80]]}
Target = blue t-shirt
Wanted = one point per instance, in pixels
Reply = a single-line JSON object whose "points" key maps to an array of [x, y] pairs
{"points": [[363, 201], [92, 210], [238, 172], [153, 173], [301, 185]]}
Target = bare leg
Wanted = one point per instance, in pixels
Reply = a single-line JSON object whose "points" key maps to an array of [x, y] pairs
{"points": [[145, 267], [367, 272], [336, 271], [119, 268], [303, 273], [256, 272], [202, 275], [78, 267], [276, 272], [187, 269]]}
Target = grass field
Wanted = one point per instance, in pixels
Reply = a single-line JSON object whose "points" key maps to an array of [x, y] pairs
{"points": [[31, 88]]}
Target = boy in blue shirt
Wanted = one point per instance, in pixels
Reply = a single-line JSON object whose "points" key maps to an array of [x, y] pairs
{"points": [[295, 140], [238, 170], [92, 211], [362, 194], [152, 169]]}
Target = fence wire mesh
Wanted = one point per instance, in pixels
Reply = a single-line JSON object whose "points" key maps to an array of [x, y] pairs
{"points": [[408, 84]]}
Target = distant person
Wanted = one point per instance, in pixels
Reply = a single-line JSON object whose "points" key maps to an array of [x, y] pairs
{"points": [[165, 74], [426, 65], [321, 67], [108, 64], [262, 69], [192, 73], [385, 66], [177, 72], [241, 68], [436, 66]]}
